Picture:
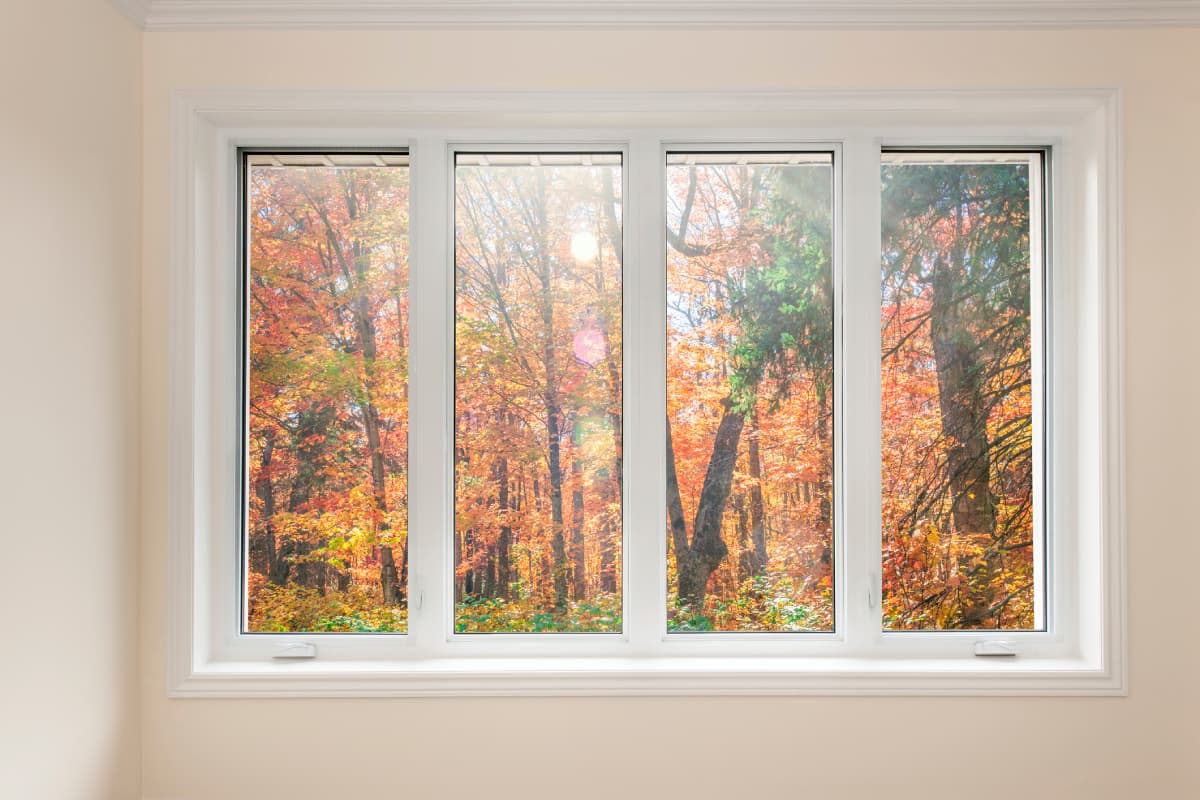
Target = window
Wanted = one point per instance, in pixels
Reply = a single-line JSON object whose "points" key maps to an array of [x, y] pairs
{"points": [[962, 293], [636, 408], [538, 406], [750, 391], [326, 305]]}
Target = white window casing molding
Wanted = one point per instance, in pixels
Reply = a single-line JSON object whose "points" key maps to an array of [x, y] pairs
{"points": [[1081, 652], [175, 15]]}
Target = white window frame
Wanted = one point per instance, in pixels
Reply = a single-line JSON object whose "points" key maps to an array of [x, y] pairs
{"points": [[1081, 652]]}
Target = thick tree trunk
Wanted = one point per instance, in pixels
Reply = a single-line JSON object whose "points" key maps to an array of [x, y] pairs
{"points": [[964, 429], [707, 548]]}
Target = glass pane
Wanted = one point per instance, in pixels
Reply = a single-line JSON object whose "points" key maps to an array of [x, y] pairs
{"points": [[327, 318], [961, 270], [750, 392], [537, 425]]}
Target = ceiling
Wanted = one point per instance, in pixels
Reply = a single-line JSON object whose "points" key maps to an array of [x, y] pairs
{"points": [[166, 15]]}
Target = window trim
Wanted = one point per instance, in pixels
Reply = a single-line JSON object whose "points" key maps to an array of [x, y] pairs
{"points": [[207, 658]]}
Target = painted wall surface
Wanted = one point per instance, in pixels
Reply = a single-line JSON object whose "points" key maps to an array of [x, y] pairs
{"points": [[1145, 745], [70, 217]]}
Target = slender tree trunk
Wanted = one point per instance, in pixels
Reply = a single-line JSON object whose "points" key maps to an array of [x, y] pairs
{"points": [[824, 487], [558, 542], [399, 291], [578, 552], [608, 571], [488, 579], [745, 548], [459, 586], [553, 406], [757, 563], [679, 534], [504, 542], [468, 577], [609, 534]]}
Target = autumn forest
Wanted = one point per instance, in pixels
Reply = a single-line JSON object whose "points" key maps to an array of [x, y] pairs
{"points": [[751, 488]]}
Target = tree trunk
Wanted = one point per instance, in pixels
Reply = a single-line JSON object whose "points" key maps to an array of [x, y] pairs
{"points": [[745, 548], [756, 564], [554, 412], [558, 542], [262, 541], [389, 577], [823, 482], [609, 534], [578, 552], [309, 446], [679, 535], [459, 587], [608, 571], [504, 542], [487, 587], [708, 549], [964, 429]]}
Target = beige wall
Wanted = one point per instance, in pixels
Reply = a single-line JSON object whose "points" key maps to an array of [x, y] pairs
{"points": [[70, 217], [1145, 745]]}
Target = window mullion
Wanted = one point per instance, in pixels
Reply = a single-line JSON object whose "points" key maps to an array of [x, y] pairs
{"points": [[430, 517], [645, 397], [859, 328]]}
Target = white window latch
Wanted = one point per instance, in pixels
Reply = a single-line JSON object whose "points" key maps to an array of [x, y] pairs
{"points": [[995, 648], [296, 650]]}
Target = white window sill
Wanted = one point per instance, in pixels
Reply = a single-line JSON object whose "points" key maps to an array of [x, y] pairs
{"points": [[652, 676]]}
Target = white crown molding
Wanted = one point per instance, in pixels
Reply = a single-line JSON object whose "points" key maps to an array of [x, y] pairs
{"points": [[136, 10], [175, 15]]}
